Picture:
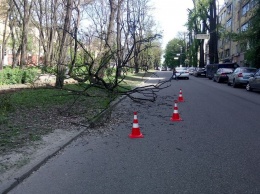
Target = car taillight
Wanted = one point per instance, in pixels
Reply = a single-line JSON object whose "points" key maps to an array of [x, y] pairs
{"points": [[240, 75]]}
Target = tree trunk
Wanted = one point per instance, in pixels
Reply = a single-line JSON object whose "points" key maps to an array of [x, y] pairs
{"points": [[202, 54], [61, 66], [25, 31], [16, 56], [4, 41], [213, 43], [111, 23]]}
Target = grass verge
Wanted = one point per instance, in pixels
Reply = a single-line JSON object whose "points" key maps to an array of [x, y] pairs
{"points": [[26, 115]]}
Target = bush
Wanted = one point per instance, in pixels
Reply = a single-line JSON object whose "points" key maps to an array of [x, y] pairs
{"points": [[49, 69], [10, 76], [29, 75]]}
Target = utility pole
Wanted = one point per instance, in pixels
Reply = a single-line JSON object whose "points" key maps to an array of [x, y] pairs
{"points": [[180, 56]]}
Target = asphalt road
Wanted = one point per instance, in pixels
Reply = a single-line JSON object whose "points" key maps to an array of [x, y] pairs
{"points": [[215, 149]]}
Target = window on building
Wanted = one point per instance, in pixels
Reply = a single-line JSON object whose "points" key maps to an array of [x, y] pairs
{"points": [[220, 18], [245, 9], [221, 55], [229, 23], [229, 9], [244, 27]]}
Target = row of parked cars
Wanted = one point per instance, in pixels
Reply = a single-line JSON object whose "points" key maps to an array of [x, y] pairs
{"points": [[231, 74]]}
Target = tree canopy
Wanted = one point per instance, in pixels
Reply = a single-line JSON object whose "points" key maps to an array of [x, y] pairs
{"points": [[174, 53]]}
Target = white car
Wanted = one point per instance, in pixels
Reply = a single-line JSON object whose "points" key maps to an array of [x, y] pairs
{"points": [[182, 72]]}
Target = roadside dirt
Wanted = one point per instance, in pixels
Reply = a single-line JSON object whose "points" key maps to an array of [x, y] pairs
{"points": [[39, 133]]}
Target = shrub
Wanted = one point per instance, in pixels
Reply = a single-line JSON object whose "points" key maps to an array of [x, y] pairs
{"points": [[10, 76]]}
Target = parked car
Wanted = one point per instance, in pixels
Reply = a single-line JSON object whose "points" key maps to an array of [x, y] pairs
{"points": [[240, 76], [182, 72], [163, 69], [211, 69], [221, 74], [254, 82], [199, 72], [191, 70]]}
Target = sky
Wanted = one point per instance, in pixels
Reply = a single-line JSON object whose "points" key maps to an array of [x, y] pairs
{"points": [[171, 16]]}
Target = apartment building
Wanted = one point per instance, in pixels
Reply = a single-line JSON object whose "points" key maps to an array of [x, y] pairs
{"points": [[234, 17]]}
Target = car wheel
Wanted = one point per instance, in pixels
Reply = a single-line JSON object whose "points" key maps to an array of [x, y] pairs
{"points": [[218, 80], [248, 88], [234, 84], [213, 79]]}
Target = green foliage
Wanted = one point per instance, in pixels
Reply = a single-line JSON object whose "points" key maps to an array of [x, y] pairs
{"points": [[172, 49], [193, 54], [80, 71], [253, 54], [17, 76], [110, 71], [49, 69]]}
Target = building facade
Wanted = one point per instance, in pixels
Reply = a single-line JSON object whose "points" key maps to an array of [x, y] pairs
{"points": [[234, 16]]}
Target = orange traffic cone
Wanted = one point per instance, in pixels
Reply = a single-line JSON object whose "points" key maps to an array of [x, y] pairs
{"points": [[180, 99], [175, 115], [136, 133]]}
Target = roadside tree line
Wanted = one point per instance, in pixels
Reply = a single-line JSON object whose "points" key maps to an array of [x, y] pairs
{"points": [[89, 40]]}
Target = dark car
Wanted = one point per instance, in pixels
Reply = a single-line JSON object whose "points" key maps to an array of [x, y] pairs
{"points": [[199, 72], [240, 76], [222, 74], [254, 82]]}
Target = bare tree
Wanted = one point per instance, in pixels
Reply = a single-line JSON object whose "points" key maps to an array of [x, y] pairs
{"points": [[110, 36], [109, 41], [25, 14], [63, 48], [5, 12]]}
